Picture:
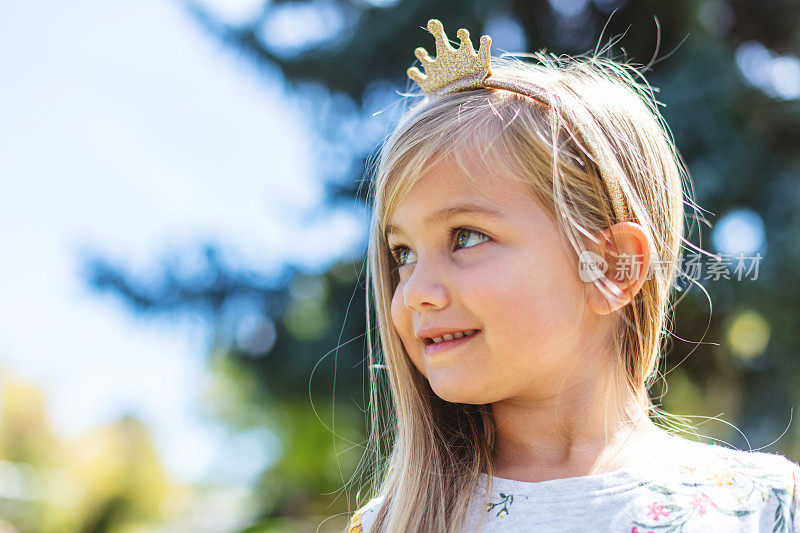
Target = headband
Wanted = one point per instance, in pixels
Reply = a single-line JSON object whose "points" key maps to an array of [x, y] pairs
{"points": [[463, 69]]}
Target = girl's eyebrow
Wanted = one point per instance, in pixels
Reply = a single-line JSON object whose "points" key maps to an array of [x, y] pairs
{"points": [[447, 213]]}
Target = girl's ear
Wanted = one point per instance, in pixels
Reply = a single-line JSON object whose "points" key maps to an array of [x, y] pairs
{"points": [[626, 262]]}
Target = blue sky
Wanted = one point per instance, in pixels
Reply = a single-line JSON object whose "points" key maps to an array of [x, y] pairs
{"points": [[125, 129]]}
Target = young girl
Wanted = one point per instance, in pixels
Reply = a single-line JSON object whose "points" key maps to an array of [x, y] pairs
{"points": [[528, 221]]}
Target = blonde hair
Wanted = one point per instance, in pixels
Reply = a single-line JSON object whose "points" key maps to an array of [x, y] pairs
{"points": [[427, 453]]}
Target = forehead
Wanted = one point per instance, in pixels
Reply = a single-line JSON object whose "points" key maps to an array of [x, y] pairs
{"points": [[446, 190]]}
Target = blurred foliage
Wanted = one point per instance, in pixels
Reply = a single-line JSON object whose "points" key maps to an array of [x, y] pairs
{"points": [[107, 479], [306, 341]]}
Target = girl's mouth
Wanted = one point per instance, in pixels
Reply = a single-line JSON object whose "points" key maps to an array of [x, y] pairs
{"points": [[435, 348]]}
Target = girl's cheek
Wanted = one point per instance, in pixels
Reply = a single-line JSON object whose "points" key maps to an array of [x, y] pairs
{"points": [[396, 307], [401, 317]]}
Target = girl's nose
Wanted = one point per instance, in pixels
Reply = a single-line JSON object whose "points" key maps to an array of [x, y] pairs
{"points": [[426, 287]]}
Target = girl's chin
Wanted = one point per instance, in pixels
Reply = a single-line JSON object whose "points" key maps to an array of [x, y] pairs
{"points": [[459, 391]]}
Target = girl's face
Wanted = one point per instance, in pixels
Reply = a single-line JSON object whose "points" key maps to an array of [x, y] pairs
{"points": [[507, 274]]}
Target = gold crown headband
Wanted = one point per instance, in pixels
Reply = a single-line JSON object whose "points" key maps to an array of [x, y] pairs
{"points": [[463, 69]]}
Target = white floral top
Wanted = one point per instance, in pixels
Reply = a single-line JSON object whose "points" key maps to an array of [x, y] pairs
{"points": [[684, 487]]}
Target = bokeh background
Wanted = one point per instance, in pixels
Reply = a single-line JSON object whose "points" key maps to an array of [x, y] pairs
{"points": [[183, 226]]}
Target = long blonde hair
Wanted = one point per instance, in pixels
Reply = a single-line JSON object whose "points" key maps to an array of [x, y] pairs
{"points": [[427, 454]]}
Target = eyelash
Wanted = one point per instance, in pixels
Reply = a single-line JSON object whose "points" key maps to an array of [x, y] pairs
{"points": [[395, 250]]}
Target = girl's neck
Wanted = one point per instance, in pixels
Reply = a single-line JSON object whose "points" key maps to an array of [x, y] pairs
{"points": [[529, 453]]}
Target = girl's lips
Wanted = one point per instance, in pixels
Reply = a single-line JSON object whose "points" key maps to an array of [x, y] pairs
{"points": [[435, 348]]}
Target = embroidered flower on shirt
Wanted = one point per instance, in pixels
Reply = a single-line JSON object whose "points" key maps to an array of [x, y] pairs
{"points": [[734, 487], [700, 501], [726, 478], [505, 501], [656, 511]]}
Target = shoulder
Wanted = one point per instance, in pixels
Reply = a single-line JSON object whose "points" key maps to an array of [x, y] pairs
{"points": [[740, 461], [363, 519], [751, 482], [724, 465]]}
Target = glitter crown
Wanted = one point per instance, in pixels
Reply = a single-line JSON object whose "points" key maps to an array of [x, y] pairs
{"points": [[453, 69], [460, 69]]}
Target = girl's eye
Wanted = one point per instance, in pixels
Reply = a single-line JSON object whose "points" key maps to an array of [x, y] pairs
{"points": [[457, 235]]}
